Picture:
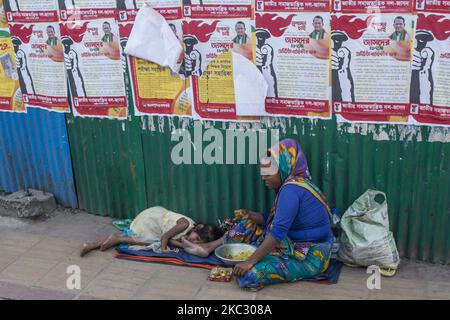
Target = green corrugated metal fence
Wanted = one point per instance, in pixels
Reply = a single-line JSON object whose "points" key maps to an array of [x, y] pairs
{"points": [[108, 166], [122, 167]]}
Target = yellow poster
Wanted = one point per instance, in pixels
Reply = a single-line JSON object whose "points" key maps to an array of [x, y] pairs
{"points": [[157, 90], [10, 94]]}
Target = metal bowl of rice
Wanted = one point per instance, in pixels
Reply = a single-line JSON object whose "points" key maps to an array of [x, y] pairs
{"points": [[234, 253]]}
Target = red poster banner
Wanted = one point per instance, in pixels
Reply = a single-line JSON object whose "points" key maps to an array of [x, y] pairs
{"points": [[292, 6], [438, 6], [217, 9], [375, 6]]}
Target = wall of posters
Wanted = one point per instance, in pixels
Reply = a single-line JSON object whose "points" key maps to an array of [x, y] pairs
{"points": [[10, 93], [292, 52], [93, 61], [35, 33], [156, 89], [379, 61], [371, 57], [430, 75]]}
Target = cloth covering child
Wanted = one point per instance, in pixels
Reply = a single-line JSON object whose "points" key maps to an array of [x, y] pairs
{"points": [[155, 229]]}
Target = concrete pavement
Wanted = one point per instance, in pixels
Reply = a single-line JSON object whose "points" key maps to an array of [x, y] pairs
{"points": [[34, 257]]}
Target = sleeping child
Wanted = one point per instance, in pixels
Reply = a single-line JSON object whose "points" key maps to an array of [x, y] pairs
{"points": [[157, 228]]}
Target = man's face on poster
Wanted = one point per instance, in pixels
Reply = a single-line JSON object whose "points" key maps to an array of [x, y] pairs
{"points": [[50, 32], [318, 24], [240, 29], [106, 28], [399, 25]]}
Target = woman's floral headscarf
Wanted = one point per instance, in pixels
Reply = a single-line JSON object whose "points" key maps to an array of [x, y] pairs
{"points": [[292, 162]]}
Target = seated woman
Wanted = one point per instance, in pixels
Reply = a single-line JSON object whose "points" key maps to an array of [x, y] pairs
{"points": [[294, 240], [155, 225]]}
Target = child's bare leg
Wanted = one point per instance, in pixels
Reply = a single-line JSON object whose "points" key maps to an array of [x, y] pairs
{"points": [[114, 240], [89, 246]]}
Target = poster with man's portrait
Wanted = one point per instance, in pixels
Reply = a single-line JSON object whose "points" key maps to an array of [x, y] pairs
{"points": [[38, 52], [430, 70]]}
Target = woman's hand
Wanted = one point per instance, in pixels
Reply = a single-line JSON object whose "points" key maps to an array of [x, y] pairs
{"points": [[269, 244], [241, 268], [250, 215]]}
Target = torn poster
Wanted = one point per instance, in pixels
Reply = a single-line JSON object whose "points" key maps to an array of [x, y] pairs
{"points": [[208, 61], [93, 61], [250, 87], [35, 33], [156, 89], [430, 77], [153, 39], [292, 52], [10, 94], [371, 58]]}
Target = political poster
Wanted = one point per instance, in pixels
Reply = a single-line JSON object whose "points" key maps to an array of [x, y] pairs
{"points": [[93, 59], [10, 93], [292, 52], [370, 63], [36, 40], [209, 47]]}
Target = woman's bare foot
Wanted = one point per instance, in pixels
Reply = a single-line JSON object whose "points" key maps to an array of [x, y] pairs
{"points": [[89, 246], [194, 249], [110, 242]]}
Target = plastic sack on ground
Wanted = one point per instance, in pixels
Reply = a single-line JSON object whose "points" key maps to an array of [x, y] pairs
{"points": [[365, 238]]}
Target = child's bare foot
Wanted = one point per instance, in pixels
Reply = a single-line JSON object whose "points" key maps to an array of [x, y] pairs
{"points": [[194, 249], [110, 242], [88, 247]]}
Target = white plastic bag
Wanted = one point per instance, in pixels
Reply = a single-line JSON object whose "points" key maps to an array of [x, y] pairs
{"points": [[152, 39], [366, 239]]}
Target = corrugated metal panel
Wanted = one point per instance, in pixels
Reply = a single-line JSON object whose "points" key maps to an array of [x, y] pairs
{"points": [[204, 192], [35, 153], [122, 167], [108, 166], [345, 160]]}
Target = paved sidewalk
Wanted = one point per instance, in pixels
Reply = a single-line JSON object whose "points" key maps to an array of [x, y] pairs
{"points": [[34, 258]]}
